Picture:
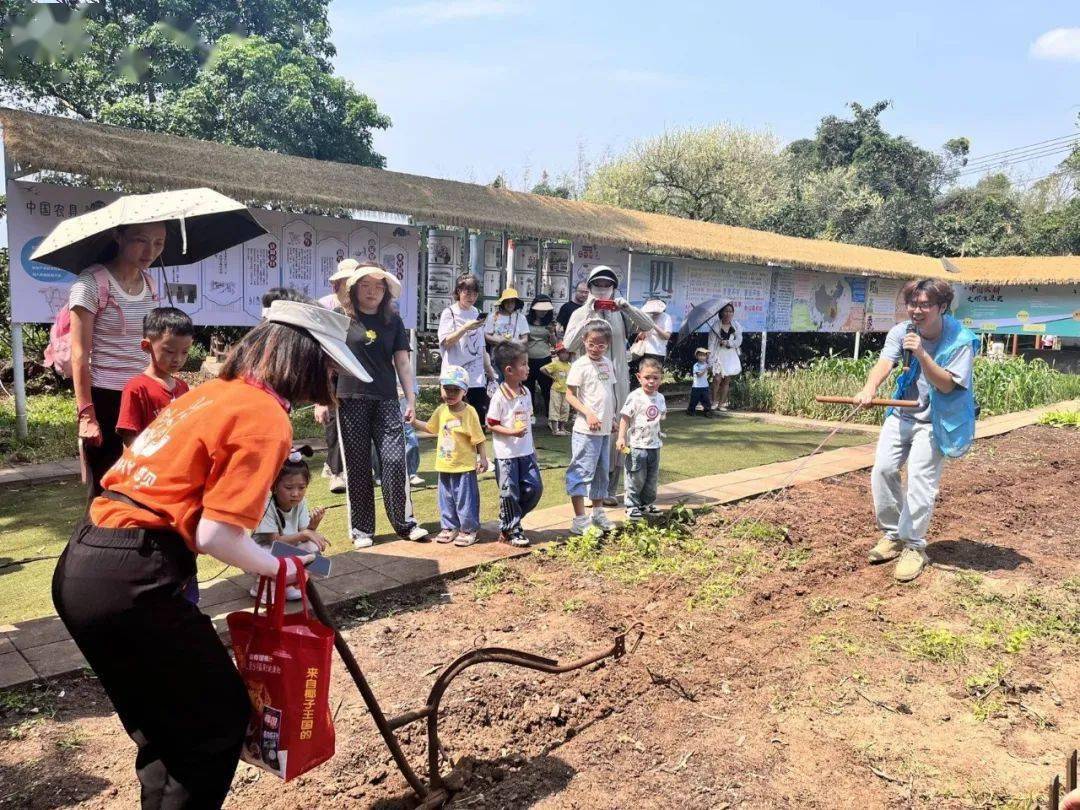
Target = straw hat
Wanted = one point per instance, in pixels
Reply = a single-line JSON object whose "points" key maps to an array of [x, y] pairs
{"points": [[328, 328], [510, 294], [654, 306], [357, 271]]}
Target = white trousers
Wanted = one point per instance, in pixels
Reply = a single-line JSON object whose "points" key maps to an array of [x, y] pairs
{"points": [[903, 513]]}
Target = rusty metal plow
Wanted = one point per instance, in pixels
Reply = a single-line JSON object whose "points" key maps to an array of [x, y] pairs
{"points": [[440, 787]]}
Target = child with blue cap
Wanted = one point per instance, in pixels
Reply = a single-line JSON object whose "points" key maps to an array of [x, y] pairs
{"points": [[461, 453]]}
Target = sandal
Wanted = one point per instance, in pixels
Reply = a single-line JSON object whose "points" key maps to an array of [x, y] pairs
{"points": [[446, 536]]}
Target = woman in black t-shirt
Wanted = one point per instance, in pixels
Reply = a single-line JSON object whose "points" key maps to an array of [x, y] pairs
{"points": [[369, 412]]}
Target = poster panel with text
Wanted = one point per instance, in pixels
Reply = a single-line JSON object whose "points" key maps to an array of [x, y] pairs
{"points": [[222, 290], [1021, 309]]}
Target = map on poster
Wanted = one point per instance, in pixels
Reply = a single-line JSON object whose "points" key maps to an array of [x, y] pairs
{"points": [[225, 289], [1020, 310], [823, 302]]}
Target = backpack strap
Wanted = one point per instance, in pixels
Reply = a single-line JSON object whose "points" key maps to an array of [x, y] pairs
{"points": [[102, 276]]}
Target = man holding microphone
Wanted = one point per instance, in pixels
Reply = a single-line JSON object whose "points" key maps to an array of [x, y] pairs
{"points": [[937, 354]]}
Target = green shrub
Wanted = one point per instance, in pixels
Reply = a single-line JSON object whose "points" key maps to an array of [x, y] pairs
{"points": [[1005, 386], [1061, 419]]}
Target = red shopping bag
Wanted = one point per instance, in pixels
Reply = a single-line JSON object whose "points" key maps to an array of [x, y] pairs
{"points": [[285, 663]]}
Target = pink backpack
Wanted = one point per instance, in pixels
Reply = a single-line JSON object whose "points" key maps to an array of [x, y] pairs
{"points": [[58, 352]]}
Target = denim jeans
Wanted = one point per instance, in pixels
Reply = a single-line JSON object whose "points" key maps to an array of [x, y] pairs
{"points": [[642, 471], [903, 513], [587, 474]]}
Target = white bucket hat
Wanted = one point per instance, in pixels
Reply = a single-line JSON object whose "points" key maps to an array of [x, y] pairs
{"points": [[357, 271], [329, 328]]}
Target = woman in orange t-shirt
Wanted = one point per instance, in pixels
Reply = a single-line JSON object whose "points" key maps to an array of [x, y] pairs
{"points": [[195, 481]]}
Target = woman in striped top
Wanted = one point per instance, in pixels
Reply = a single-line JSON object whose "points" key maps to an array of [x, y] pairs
{"points": [[106, 336]]}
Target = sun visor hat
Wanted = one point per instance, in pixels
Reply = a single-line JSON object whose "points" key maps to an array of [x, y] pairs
{"points": [[364, 270], [328, 328], [603, 272]]}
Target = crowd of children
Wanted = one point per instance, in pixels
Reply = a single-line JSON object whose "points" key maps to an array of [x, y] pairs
{"points": [[582, 404]]}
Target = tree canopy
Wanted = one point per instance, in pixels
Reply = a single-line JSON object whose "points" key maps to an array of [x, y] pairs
{"points": [[251, 73]]}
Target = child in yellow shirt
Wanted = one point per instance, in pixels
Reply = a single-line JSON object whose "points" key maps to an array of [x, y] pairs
{"points": [[558, 407], [461, 453]]}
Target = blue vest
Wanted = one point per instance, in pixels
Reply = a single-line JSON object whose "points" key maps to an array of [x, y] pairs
{"points": [[952, 415]]}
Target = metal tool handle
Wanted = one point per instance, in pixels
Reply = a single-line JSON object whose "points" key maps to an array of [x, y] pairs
{"points": [[877, 403]]}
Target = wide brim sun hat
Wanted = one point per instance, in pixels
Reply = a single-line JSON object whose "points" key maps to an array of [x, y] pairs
{"points": [[360, 271], [327, 327], [542, 303], [654, 306], [510, 294], [345, 268], [455, 376]]}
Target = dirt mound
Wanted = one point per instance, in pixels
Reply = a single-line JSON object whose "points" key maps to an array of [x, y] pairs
{"points": [[801, 678]]}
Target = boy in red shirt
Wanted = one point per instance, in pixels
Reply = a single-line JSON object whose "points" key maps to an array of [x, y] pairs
{"points": [[167, 336]]}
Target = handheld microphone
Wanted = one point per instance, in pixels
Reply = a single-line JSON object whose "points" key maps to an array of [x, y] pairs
{"points": [[911, 328]]}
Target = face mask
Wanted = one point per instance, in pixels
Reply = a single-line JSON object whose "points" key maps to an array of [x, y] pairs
{"points": [[603, 293]]}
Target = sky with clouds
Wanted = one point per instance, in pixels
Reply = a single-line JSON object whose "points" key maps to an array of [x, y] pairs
{"points": [[479, 87]]}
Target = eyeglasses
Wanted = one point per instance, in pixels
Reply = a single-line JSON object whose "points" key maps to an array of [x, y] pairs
{"points": [[924, 306]]}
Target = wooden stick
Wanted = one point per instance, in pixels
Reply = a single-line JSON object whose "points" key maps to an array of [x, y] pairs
{"points": [[876, 403]]}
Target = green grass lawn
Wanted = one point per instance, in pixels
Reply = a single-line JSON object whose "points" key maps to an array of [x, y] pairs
{"points": [[36, 521]]}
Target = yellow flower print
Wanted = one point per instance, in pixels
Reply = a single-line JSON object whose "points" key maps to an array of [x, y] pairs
{"points": [[369, 337]]}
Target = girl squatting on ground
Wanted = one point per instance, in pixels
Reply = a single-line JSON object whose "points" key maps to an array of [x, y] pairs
{"points": [[941, 354], [286, 518]]}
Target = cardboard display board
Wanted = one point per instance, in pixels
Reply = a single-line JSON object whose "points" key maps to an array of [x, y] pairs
{"points": [[443, 268], [226, 289]]}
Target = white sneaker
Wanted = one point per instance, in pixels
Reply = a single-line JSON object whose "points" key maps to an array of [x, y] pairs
{"points": [[418, 533], [417, 481], [292, 593], [580, 524], [326, 471], [360, 539], [337, 484], [600, 520]]}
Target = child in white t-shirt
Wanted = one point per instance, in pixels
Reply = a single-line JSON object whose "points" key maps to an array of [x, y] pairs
{"points": [[287, 518], [590, 390], [640, 439], [516, 469], [699, 388]]}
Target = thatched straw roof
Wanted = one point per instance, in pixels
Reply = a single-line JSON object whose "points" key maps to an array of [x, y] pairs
{"points": [[1019, 269], [39, 142]]}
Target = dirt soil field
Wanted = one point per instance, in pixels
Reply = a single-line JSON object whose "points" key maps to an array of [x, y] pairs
{"points": [[809, 679]]}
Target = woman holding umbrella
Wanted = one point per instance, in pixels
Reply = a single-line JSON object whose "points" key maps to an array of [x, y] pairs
{"points": [[108, 302], [194, 482], [725, 339], [112, 249]]}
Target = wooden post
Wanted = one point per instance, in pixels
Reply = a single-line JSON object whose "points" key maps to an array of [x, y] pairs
{"points": [[858, 336], [1015, 345]]}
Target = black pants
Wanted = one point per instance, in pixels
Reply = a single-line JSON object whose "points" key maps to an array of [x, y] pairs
{"points": [[699, 396], [119, 592], [539, 382], [100, 458], [478, 398], [363, 421], [333, 445]]}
